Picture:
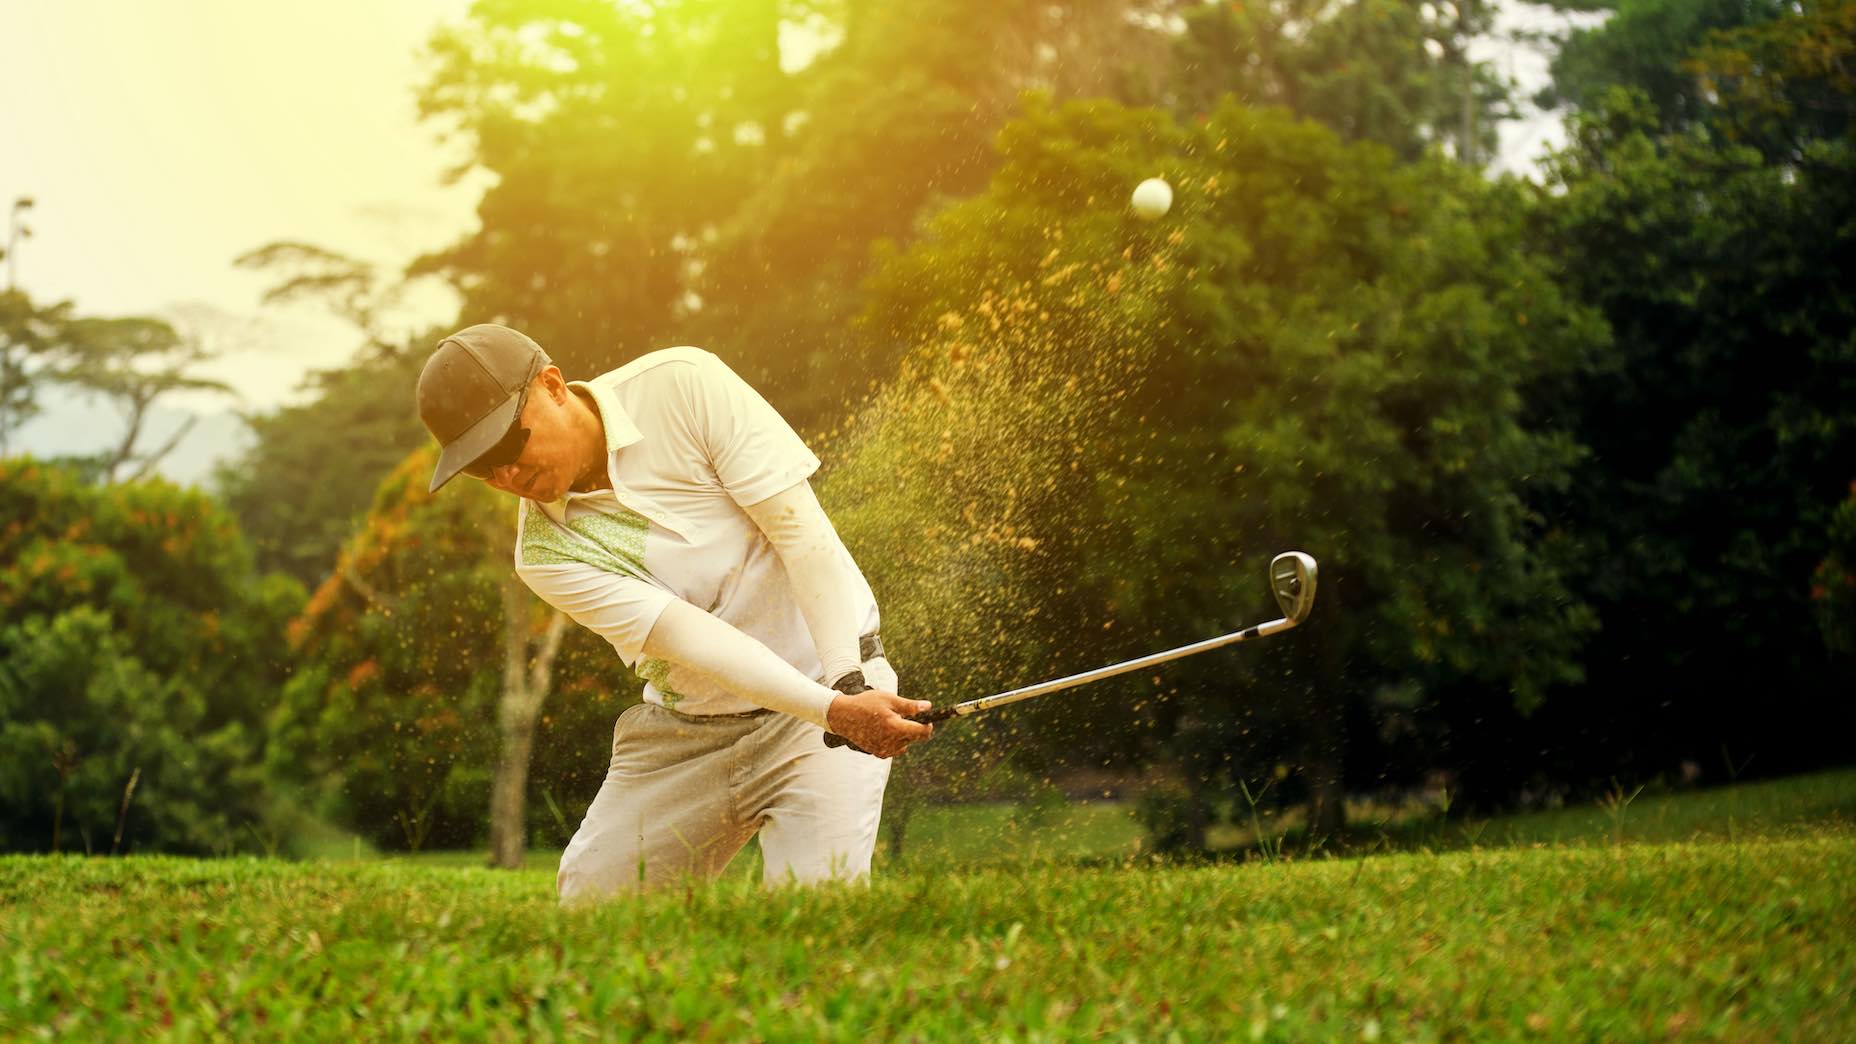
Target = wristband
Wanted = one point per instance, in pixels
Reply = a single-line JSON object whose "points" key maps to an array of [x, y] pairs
{"points": [[852, 683]]}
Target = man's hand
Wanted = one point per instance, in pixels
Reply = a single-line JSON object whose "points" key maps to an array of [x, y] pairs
{"points": [[876, 721]]}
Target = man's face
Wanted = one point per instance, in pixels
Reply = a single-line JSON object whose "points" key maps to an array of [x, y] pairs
{"points": [[548, 463]]}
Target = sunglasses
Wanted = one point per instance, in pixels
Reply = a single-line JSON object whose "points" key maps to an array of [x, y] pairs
{"points": [[507, 449]]}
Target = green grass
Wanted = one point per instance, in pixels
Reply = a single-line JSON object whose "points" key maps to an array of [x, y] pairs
{"points": [[1796, 807], [1800, 806], [1715, 914], [1753, 939]]}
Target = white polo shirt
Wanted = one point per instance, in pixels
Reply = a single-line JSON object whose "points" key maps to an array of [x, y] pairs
{"points": [[689, 443]]}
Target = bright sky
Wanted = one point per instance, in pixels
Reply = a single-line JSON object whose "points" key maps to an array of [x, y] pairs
{"points": [[161, 140]]}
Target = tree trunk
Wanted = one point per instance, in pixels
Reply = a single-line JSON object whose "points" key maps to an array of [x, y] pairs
{"points": [[133, 414], [150, 460], [509, 787], [1327, 811], [528, 674], [899, 804], [1326, 751], [122, 814], [64, 760], [1468, 131], [898, 823]]}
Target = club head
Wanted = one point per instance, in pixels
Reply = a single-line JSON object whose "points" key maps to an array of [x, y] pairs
{"points": [[1292, 581]]}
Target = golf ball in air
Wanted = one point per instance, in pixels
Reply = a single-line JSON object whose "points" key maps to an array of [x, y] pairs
{"points": [[1152, 198]]}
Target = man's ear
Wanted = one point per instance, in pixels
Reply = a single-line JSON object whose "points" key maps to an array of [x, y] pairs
{"points": [[554, 382]]}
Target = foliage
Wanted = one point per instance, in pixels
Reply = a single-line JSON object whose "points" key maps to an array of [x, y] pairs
{"points": [[1057, 436], [1721, 439], [1333, 356], [304, 484], [898, 119], [608, 150], [1386, 71], [391, 716], [30, 336], [1784, 84], [1647, 941], [637, 204], [1644, 45], [134, 638]]}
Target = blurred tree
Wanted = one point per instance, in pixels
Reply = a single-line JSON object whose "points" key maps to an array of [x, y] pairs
{"points": [[30, 336], [1785, 86], [353, 290], [1645, 45], [696, 172], [136, 641], [425, 668], [1390, 71], [305, 482], [612, 131], [132, 362], [894, 121], [1721, 437], [1338, 364]]}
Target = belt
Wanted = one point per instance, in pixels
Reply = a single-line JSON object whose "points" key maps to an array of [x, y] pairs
{"points": [[869, 647], [759, 712]]}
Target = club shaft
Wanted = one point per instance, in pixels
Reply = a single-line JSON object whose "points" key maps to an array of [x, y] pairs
{"points": [[985, 703]]}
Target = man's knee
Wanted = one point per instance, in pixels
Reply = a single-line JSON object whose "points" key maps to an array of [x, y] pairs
{"points": [[843, 865], [584, 878]]}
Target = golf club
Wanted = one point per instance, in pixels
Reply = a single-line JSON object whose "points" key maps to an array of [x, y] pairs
{"points": [[1292, 581]]}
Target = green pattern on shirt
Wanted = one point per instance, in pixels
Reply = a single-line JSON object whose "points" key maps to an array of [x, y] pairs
{"points": [[655, 672], [614, 541]]}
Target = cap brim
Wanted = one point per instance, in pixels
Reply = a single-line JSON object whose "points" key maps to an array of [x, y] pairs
{"points": [[475, 442]]}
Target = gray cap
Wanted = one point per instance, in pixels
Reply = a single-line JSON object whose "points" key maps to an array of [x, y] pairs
{"points": [[469, 392]]}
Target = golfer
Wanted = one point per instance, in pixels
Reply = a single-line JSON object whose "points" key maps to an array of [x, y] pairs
{"points": [[664, 505]]}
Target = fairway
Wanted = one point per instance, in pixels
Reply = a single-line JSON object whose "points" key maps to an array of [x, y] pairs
{"points": [[1749, 940]]}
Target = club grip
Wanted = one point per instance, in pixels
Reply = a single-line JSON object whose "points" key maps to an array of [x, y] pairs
{"points": [[927, 717]]}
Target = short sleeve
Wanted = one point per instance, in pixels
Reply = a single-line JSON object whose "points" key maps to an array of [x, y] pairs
{"points": [[621, 609], [754, 452]]}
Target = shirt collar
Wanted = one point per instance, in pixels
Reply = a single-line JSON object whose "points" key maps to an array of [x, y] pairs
{"points": [[620, 431]]}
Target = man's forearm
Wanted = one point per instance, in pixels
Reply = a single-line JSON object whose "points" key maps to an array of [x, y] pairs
{"points": [[685, 635], [796, 525]]}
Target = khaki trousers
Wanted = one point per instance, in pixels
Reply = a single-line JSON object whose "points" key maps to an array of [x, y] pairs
{"points": [[685, 793]]}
